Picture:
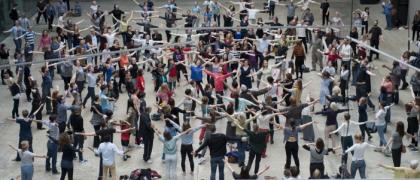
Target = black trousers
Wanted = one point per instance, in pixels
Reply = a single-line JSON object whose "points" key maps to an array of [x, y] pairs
{"points": [[50, 22], [299, 62], [396, 156], [325, 20], [90, 94], [216, 18], [292, 149], [179, 68], [121, 74], [148, 146], [375, 44], [186, 150], [65, 171], [78, 141], [66, 82], [364, 131], [96, 139], [315, 166], [44, 14], [257, 156], [15, 110], [62, 127], [365, 27]]}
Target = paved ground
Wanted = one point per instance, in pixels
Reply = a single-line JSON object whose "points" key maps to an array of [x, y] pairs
{"points": [[395, 43]]}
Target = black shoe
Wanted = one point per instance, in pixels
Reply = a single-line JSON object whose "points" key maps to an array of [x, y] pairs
{"points": [[42, 128], [48, 170], [17, 160], [271, 142], [55, 172]]}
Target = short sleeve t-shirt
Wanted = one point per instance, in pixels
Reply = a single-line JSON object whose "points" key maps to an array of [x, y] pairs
{"points": [[396, 141], [26, 157]]}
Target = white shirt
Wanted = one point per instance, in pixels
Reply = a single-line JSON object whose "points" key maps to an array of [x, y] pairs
{"points": [[345, 52], [350, 131], [252, 13], [108, 150], [263, 121], [262, 45], [110, 38], [94, 41], [94, 8], [365, 16], [380, 116], [359, 151], [300, 32]]}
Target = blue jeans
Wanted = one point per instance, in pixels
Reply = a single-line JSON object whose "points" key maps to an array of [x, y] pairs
{"points": [[27, 172], [358, 165], [51, 154], [388, 21], [241, 150], [18, 44], [381, 133], [214, 162]]}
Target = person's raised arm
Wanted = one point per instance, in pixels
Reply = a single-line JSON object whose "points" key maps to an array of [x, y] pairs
{"points": [[338, 129], [13, 147], [303, 126], [174, 124]]}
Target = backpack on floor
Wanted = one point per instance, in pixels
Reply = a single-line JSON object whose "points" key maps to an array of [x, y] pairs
{"points": [[343, 173]]}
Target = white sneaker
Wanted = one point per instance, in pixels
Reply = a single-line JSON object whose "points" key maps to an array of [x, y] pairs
{"points": [[149, 161], [141, 145], [84, 161], [163, 161]]}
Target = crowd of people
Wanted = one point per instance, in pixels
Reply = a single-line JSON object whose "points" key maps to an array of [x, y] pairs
{"points": [[248, 75]]}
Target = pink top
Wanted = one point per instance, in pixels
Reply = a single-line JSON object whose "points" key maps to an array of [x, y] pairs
{"points": [[44, 42], [218, 80]]}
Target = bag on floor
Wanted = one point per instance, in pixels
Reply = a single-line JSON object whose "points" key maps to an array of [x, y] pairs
{"points": [[343, 173], [233, 156], [371, 127], [144, 174]]}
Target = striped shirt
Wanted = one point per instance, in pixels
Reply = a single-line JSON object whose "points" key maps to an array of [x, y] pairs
{"points": [[30, 37]]}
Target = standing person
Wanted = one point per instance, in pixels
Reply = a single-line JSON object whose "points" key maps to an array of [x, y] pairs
{"points": [[147, 132], [26, 165], [91, 83], [396, 144], [14, 13], [42, 10], [62, 109], [363, 117], [415, 83], [25, 132], [4, 60], [317, 46], [46, 87], [325, 7], [358, 159], [291, 9], [380, 122], [217, 145], [107, 149], [37, 104], [387, 6], [317, 151], [52, 144], [76, 121], [117, 13], [404, 69], [257, 142], [97, 119], [416, 26], [375, 34], [16, 31], [347, 129], [219, 79], [365, 20], [68, 155], [331, 122], [15, 90], [291, 137], [299, 56], [170, 150], [412, 110], [50, 15], [395, 75]]}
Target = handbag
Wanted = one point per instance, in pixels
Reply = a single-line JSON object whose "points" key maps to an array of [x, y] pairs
{"points": [[403, 149]]}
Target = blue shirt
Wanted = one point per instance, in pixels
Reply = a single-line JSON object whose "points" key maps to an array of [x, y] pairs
{"points": [[105, 104], [196, 73], [387, 9], [46, 81], [25, 131], [62, 113]]}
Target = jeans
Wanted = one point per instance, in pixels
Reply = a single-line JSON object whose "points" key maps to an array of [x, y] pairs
{"points": [[292, 149], [388, 21], [381, 133], [216, 18], [257, 156], [52, 149], [18, 44], [15, 111], [27, 172], [214, 162], [358, 165], [186, 150], [241, 150], [346, 142], [78, 144], [90, 94], [170, 163]]}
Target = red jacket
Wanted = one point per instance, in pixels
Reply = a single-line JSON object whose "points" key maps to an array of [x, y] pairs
{"points": [[218, 80]]}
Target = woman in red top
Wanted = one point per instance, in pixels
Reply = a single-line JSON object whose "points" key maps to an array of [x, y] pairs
{"points": [[45, 41], [332, 56], [172, 74], [125, 137], [140, 85]]}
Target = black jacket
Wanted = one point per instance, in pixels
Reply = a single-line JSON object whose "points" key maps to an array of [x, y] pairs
{"points": [[145, 125], [216, 143]]}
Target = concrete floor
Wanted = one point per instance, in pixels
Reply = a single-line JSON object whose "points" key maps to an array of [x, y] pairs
{"points": [[395, 44]]}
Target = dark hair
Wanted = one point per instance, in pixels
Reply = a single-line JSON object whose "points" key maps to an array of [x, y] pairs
{"points": [[64, 139], [53, 117], [106, 138], [188, 92], [185, 126], [347, 116], [319, 144], [400, 128], [167, 135], [235, 84], [25, 113], [211, 128], [270, 79]]}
